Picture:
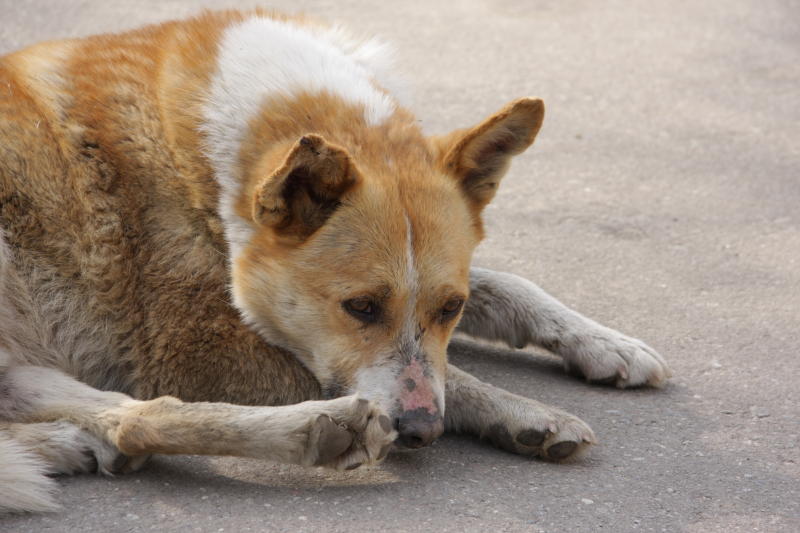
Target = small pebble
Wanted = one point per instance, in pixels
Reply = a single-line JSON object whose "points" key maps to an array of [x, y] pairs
{"points": [[587, 501]]}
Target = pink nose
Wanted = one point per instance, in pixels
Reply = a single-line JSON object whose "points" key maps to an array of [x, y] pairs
{"points": [[418, 427], [416, 389]]}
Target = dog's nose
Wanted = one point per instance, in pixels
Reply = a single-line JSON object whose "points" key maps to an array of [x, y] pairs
{"points": [[418, 427]]}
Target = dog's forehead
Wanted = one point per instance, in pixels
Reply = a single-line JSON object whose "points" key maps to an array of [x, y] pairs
{"points": [[401, 233], [443, 237]]}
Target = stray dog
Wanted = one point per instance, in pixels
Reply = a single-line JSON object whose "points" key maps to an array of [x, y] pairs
{"points": [[226, 236]]}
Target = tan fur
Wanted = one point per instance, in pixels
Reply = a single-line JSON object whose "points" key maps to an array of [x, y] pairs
{"points": [[115, 270]]}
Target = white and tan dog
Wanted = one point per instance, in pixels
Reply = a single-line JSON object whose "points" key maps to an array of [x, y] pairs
{"points": [[236, 209]]}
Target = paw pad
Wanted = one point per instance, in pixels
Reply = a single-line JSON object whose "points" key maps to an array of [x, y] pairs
{"points": [[531, 437], [561, 450]]}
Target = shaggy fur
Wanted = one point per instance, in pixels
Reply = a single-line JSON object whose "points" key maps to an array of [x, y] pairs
{"points": [[226, 235]]}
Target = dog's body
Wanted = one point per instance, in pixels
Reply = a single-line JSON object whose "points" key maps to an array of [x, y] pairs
{"points": [[235, 209]]}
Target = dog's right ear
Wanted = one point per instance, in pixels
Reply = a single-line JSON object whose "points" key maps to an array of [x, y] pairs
{"points": [[305, 190], [478, 157]]}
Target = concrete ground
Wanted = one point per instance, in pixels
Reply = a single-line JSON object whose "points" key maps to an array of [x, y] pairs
{"points": [[662, 198]]}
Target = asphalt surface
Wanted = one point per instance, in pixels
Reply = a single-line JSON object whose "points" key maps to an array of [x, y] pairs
{"points": [[662, 198]]}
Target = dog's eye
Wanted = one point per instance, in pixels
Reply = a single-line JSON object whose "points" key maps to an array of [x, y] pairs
{"points": [[363, 309], [451, 308]]}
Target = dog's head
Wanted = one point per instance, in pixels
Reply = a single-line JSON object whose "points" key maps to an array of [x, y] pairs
{"points": [[359, 260]]}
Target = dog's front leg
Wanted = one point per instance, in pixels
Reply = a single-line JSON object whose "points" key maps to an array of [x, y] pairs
{"points": [[341, 433], [508, 308], [511, 422]]}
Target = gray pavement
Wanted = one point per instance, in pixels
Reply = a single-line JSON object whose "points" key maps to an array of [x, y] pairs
{"points": [[662, 198]]}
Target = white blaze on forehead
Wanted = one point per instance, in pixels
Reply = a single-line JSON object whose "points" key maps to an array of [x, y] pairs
{"points": [[412, 276], [261, 57], [409, 332]]}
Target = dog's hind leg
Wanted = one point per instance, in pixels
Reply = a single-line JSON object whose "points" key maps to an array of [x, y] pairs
{"points": [[29, 453], [342, 433], [65, 448], [507, 308], [24, 485], [511, 422]]}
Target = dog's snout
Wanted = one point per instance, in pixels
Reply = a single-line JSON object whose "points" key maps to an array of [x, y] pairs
{"points": [[418, 428]]}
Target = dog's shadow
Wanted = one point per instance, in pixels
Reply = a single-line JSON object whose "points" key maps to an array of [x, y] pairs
{"points": [[495, 359]]}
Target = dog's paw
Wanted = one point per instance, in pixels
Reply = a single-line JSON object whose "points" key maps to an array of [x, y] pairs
{"points": [[103, 458], [352, 432], [72, 450], [543, 432], [607, 356]]}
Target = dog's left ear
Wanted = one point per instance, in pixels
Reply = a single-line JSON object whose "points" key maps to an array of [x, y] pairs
{"points": [[297, 198], [479, 157]]}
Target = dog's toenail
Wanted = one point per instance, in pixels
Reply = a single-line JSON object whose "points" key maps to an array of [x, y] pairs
{"points": [[353, 466]]}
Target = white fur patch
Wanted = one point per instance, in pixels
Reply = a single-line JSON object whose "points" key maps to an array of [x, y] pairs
{"points": [[409, 338], [378, 384], [261, 57], [411, 267], [412, 275]]}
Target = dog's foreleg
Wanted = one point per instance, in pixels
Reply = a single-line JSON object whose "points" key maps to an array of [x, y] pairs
{"points": [[341, 433], [511, 422], [508, 308]]}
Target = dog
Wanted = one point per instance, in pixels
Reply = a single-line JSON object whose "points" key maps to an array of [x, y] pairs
{"points": [[227, 236]]}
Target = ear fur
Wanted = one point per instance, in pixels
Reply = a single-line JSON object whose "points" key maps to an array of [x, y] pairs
{"points": [[298, 197], [479, 157]]}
